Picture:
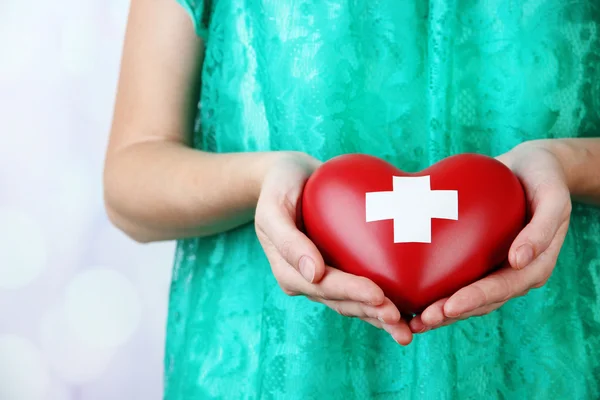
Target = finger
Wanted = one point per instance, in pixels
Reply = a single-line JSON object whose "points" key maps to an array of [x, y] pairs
{"points": [[373, 321], [351, 309], [550, 206], [339, 285], [434, 314], [384, 313], [479, 312], [497, 287], [506, 283], [277, 227], [400, 332], [447, 322], [388, 312], [416, 325]]}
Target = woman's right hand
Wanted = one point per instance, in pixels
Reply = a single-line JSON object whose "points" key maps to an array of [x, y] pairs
{"points": [[298, 265]]}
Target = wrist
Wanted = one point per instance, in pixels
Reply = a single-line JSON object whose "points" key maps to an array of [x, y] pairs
{"points": [[573, 160], [269, 161]]}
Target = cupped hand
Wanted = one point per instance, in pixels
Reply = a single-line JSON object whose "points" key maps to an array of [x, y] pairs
{"points": [[298, 265], [532, 255]]}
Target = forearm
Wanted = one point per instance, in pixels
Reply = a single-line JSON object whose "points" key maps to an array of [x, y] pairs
{"points": [[163, 190], [580, 159]]}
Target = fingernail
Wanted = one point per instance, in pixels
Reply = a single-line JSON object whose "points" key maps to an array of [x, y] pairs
{"points": [[380, 319], [307, 268], [524, 255]]}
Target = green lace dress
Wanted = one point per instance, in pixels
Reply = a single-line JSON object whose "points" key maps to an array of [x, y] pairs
{"points": [[410, 81]]}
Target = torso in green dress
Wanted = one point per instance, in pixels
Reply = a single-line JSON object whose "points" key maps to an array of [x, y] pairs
{"points": [[411, 82]]}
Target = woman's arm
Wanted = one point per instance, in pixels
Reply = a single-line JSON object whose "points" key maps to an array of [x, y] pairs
{"points": [[156, 187], [580, 159]]}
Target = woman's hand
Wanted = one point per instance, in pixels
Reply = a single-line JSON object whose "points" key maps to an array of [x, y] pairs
{"points": [[533, 253], [297, 264]]}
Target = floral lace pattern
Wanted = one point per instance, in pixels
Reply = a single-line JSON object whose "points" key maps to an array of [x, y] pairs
{"points": [[411, 82]]}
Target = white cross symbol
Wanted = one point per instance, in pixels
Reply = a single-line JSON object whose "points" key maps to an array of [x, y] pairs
{"points": [[412, 204]]}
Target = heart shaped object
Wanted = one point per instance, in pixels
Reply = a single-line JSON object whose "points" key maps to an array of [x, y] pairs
{"points": [[421, 236]]}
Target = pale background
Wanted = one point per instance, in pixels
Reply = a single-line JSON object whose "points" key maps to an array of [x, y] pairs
{"points": [[82, 307]]}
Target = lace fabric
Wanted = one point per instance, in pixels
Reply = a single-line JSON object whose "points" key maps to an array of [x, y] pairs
{"points": [[411, 82]]}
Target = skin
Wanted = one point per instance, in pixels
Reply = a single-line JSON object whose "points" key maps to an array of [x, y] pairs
{"points": [[554, 173], [158, 188]]}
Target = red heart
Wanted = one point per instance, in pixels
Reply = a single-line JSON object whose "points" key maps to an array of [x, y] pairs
{"points": [[490, 208]]}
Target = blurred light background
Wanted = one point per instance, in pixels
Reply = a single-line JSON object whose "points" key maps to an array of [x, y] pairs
{"points": [[82, 307]]}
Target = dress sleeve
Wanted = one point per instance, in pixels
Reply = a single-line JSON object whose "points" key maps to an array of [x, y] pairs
{"points": [[199, 11]]}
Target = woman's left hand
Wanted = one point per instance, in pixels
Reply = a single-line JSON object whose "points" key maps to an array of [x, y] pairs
{"points": [[533, 253]]}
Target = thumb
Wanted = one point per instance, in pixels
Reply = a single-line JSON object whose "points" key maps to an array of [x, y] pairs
{"points": [[292, 245], [535, 238]]}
